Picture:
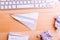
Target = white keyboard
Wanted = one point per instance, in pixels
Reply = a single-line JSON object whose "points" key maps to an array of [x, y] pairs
{"points": [[16, 4]]}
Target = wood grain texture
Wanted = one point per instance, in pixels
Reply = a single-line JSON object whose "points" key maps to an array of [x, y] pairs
{"points": [[45, 22]]}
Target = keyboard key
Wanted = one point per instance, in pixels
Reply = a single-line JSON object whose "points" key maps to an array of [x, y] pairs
{"points": [[28, 1], [13, 6], [43, 1], [6, 3], [14, 2], [6, 7], [17, 2], [21, 2], [41, 6], [36, 1], [40, 1], [2, 7], [10, 3], [32, 1], [37, 6], [9, 7], [25, 2]]}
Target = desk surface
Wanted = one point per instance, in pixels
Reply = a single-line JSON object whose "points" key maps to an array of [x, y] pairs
{"points": [[45, 22]]}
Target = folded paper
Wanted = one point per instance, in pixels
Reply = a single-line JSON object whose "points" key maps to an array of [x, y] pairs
{"points": [[28, 19]]}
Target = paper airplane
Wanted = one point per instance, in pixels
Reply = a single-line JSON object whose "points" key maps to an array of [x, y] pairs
{"points": [[46, 35], [28, 19], [15, 36]]}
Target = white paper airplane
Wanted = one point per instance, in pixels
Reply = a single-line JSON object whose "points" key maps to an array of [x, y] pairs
{"points": [[15, 36], [28, 20]]}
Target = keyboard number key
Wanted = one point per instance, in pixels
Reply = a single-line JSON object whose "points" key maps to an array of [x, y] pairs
{"points": [[2, 7], [36, 1], [43, 1], [17, 2], [6, 3], [29, 2], [40, 1], [32, 1], [25, 2], [6, 7]]}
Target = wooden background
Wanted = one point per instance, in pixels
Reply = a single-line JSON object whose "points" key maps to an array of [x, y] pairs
{"points": [[45, 22]]}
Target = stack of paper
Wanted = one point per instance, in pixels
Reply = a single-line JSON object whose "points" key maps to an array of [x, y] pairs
{"points": [[28, 19], [15, 36]]}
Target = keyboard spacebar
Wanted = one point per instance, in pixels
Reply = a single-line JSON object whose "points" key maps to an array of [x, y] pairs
{"points": [[26, 6]]}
